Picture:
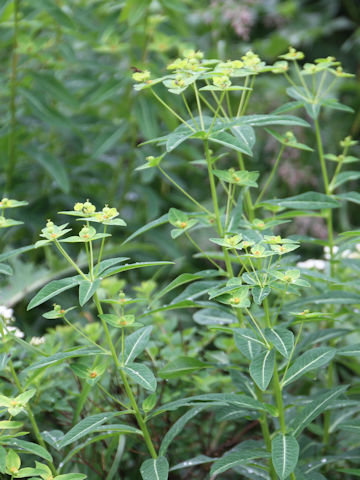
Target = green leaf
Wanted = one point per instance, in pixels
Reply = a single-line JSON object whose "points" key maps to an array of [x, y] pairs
{"points": [[213, 316], [260, 293], [181, 366], [136, 343], [10, 425], [106, 141], [54, 167], [62, 356], [263, 120], [284, 454], [110, 262], [29, 447], [87, 290], [310, 360], [155, 469], [247, 342], [178, 136], [180, 280], [238, 400], [344, 177], [85, 427], [305, 201], [335, 105], [242, 457], [113, 271], [352, 426], [141, 374], [314, 409], [192, 462], [5, 269], [153, 224], [353, 197], [349, 351], [262, 368], [52, 289], [178, 427], [282, 339], [228, 140], [14, 253], [70, 476]]}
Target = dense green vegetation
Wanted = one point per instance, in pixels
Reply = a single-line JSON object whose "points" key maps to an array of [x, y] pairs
{"points": [[183, 184]]}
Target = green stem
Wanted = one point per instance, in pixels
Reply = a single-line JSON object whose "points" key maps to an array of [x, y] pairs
{"points": [[69, 259], [216, 205], [191, 240], [184, 192], [250, 206], [171, 110], [271, 176], [189, 111], [266, 433], [198, 103], [13, 86], [242, 99], [279, 400], [243, 110], [101, 251], [77, 330], [127, 387]]}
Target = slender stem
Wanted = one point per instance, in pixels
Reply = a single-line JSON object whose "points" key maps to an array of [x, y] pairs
{"points": [[216, 205], [228, 103], [69, 259], [127, 387], [171, 110], [250, 206], [113, 398], [321, 156], [265, 432], [217, 111], [257, 327], [189, 111], [247, 98], [292, 352], [267, 312], [279, 400], [301, 78], [199, 106], [242, 99], [80, 332], [202, 251], [13, 87], [184, 192], [91, 263], [271, 176], [101, 251]]}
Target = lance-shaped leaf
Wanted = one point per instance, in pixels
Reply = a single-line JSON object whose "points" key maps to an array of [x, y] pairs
{"points": [[178, 427], [282, 339], [136, 343], [192, 462], [155, 469], [181, 366], [85, 427], [248, 342], [284, 454], [87, 290], [29, 447], [234, 459], [262, 368], [141, 375], [228, 140], [305, 201], [311, 411], [62, 356], [310, 360], [114, 270], [52, 289]]}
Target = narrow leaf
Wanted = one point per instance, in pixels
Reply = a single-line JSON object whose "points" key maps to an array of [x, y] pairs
{"points": [[284, 454]]}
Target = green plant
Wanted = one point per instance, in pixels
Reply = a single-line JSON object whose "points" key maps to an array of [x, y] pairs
{"points": [[248, 357]]}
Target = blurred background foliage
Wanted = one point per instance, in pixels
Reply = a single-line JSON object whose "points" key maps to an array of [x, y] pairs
{"points": [[71, 122]]}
